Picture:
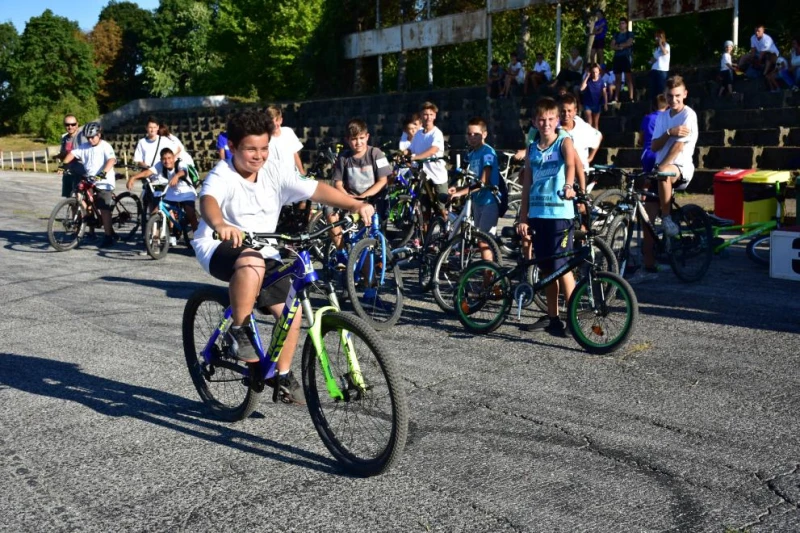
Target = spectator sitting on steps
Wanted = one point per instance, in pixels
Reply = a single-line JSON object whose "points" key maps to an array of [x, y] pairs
{"points": [[574, 71], [515, 73], [494, 80], [538, 75], [794, 63], [755, 62]]}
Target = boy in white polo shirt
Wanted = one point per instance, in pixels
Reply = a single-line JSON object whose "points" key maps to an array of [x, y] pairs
{"points": [[429, 142]]}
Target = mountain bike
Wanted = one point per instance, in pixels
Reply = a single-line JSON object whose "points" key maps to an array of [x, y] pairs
{"points": [[72, 217], [170, 221], [601, 314], [689, 251], [351, 384]]}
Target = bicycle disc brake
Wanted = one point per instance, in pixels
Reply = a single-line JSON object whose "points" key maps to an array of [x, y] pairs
{"points": [[523, 295]]}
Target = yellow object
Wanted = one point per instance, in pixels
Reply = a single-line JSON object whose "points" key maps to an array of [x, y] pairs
{"points": [[760, 194]]}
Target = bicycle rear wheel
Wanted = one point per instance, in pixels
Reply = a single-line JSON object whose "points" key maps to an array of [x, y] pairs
{"points": [[156, 236], [602, 312], [366, 430], [483, 297], [126, 215], [453, 259], [690, 251], [222, 384], [758, 249], [374, 284], [64, 227]]}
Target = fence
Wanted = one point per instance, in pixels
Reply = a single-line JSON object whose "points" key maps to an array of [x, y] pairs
{"points": [[45, 160]]}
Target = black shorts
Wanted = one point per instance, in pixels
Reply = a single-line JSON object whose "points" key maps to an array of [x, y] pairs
{"points": [[440, 192], [653, 186], [551, 237], [103, 200], [221, 267], [621, 64], [599, 44]]}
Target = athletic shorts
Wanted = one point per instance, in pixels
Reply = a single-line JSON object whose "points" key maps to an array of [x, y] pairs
{"points": [[595, 109], [598, 44], [621, 64], [440, 191], [550, 237], [103, 199], [485, 216], [221, 267]]}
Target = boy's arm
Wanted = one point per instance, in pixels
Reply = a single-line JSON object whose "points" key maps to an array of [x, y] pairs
{"points": [[177, 177], [212, 214], [110, 164], [299, 164], [339, 186], [674, 152], [379, 184], [325, 194], [570, 157], [430, 152], [69, 158], [141, 175]]}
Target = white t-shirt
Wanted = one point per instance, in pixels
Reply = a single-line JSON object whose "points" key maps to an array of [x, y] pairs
{"points": [[765, 44], [609, 78], [662, 59], [664, 121], [585, 138], [183, 192], [282, 149], [576, 65], [437, 170], [518, 71], [544, 68], [404, 142], [249, 206], [184, 156], [149, 152], [795, 59], [724, 61], [94, 159]]}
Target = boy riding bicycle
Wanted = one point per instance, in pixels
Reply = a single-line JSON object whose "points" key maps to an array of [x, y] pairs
{"points": [[246, 195]]}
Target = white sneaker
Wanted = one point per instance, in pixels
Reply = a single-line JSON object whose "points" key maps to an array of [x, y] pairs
{"points": [[173, 241], [670, 227], [642, 275]]}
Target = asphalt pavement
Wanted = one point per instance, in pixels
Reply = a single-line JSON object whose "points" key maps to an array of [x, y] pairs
{"points": [[693, 426]]}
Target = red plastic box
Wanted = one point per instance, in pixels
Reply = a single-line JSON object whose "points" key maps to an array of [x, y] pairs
{"points": [[729, 194]]}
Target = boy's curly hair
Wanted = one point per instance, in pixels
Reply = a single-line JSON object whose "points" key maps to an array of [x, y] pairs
{"points": [[249, 122]]}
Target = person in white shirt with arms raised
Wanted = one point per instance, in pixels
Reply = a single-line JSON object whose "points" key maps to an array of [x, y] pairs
{"points": [[246, 195], [674, 139]]}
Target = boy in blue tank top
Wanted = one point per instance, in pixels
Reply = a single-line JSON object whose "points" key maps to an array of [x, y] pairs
{"points": [[549, 169]]}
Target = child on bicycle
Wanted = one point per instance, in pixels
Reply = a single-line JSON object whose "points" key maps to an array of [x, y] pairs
{"points": [[246, 195], [427, 143], [98, 160], [411, 125], [483, 164], [548, 175], [361, 171]]}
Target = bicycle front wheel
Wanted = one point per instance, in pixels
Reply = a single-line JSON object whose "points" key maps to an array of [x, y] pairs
{"points": [[690, 251], [64, 228], [222, 383], [156, 236], [435, 240], [602, 312], [758, 249], [126, 216], [483, 297], [453, 259], [374, 284], [365, 429]]}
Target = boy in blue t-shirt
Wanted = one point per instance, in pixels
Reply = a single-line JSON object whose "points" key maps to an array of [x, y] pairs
{"points": [[482, 163], [549, 169], [647, 128]]}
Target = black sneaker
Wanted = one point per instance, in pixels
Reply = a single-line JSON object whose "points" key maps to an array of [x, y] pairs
{"points": [[288, 390], [556, 327], [540, 324], [107, 242], [240, 344]]}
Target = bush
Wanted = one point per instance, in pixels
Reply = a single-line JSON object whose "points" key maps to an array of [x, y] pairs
{"points": [[47, 121]]}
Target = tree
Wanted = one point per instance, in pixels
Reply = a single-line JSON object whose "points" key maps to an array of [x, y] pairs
{"points": [[9, 40], [125, 80], [54, 60], [106, 38]]}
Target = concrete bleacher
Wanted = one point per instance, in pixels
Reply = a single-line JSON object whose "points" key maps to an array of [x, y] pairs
{"points": [[757, 129]]}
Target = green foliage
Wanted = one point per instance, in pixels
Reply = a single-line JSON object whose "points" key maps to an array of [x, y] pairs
{"points": [[53, 60], [9, 40], [124, 77], [46, 120]]}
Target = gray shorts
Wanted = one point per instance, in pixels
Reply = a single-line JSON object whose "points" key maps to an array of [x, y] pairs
{"points": [[486, 216]]}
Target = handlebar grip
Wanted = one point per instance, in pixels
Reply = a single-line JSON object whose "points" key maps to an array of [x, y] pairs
{"points": [[216, 236]]}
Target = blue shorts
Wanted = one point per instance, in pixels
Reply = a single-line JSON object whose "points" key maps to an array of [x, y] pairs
{"points": [[595, 109], [551, 236]]}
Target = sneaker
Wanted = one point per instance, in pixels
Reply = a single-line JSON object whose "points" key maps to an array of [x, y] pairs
{"points": [[107, 242], [670, 227], [288, 390], [540, 324], [341, 260], [240, 344], [556, 327], [642, 275], [173, 241]]}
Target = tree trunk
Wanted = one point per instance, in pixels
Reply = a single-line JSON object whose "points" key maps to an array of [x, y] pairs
{"points": [[358, 75], [401, 71], [524, 35]]}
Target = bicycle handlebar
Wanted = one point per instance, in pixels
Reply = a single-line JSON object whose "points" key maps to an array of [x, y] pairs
{"points": [[259, 240], [650, 175]]}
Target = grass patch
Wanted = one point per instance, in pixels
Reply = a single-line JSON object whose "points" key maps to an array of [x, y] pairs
{"points": [[16, 143]]}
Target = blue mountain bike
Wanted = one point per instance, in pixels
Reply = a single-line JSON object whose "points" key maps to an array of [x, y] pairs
{"points": [[351, 385]]}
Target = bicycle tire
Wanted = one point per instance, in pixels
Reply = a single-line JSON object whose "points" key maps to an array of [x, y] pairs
{"points": [[378, 304], [65, 225], [157, 248], [483, 297], [409, 222], [451, 262], [605, 260], [595, 309], [435, 239], [617, 234], [514, 203], [378, 414], [604, 206], [221, 386], [126, 215], [690, 251], [758, 249]]}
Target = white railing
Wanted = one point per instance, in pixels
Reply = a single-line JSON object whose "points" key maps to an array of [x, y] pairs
{"points": [[34, 160]]}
